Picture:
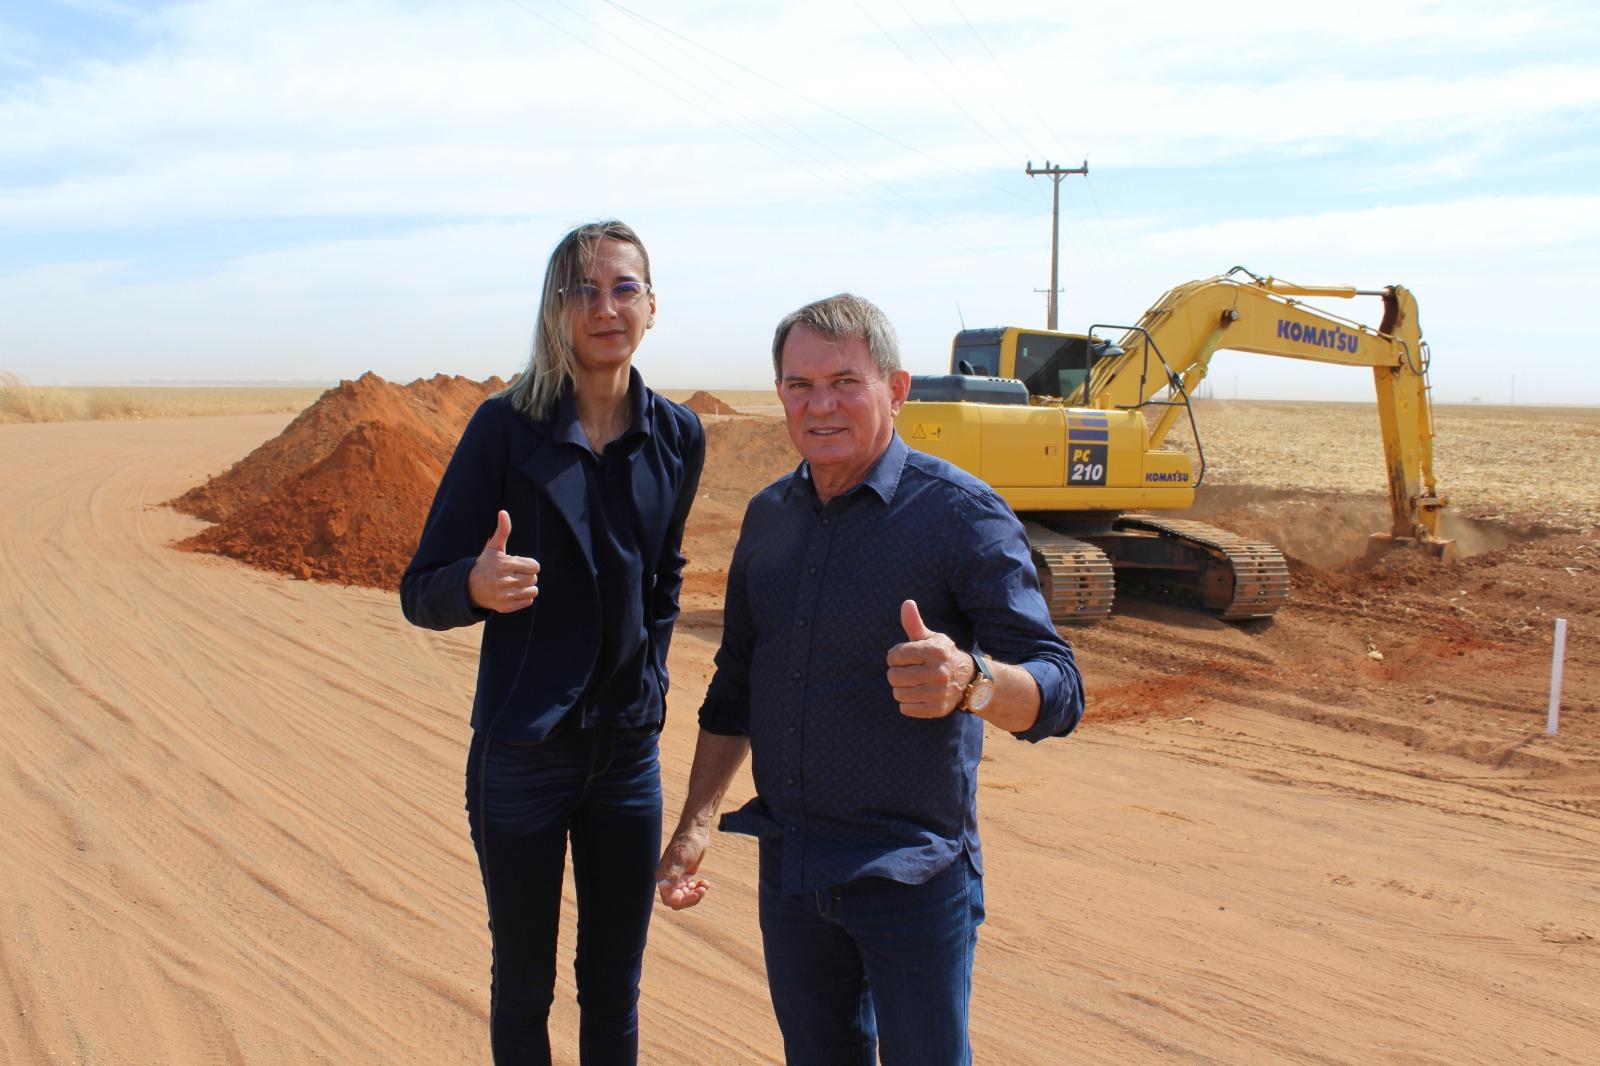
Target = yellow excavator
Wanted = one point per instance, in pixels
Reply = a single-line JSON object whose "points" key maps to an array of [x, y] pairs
{"points": [[1068, 429]]}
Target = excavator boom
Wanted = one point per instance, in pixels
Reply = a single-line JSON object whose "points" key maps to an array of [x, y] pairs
{"points": [[1170, 351]]}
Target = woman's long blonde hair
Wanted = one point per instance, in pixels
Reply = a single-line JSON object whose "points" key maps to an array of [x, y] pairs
{"points": [[551, 363]]}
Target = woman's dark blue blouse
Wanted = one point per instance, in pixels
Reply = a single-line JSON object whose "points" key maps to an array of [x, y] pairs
{"points": [[607, 530]]}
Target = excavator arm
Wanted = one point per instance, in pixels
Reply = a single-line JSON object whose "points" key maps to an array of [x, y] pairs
{"points": [[1169, 352], [1069, 429]]}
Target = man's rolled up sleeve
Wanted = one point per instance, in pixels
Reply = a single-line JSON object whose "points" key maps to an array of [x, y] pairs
{"points": [[999, 591], [1060, 697]]}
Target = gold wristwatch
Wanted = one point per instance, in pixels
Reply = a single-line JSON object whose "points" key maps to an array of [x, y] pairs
{"points": [[980, 690]]}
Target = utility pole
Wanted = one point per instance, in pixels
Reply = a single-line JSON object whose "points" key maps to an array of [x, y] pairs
{"points": [[1055, 174]]}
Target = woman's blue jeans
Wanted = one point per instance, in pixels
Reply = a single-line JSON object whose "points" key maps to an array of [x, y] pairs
{"points": [[602, 788], [872, 960]]}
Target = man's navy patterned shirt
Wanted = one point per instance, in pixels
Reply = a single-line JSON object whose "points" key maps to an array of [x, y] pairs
{"points": [[852, 787]]}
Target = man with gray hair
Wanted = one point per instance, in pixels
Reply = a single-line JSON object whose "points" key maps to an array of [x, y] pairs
{"points": [[880, 603]]}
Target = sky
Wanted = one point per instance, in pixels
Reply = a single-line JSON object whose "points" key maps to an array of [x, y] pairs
{"points": [[254, 190]]}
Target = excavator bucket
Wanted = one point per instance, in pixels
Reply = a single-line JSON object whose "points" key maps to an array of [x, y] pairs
{"points": [[1446, 551]]}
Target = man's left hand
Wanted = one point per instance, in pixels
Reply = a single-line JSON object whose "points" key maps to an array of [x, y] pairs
{"points": [[928, 673]]}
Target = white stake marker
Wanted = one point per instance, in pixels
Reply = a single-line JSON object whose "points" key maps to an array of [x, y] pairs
{"points": [[1557, 654]]}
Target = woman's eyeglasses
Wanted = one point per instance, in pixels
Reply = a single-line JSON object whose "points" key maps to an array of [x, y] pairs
{"points": [[623, 293]]}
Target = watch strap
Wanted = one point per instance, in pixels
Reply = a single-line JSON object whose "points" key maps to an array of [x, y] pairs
{"points": [[982, 675]]}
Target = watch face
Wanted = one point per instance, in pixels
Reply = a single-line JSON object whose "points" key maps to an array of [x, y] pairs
{"points": [[980, 696]]}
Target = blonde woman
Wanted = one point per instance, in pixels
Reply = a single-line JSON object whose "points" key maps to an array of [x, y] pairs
{"points": [[559, 525]]}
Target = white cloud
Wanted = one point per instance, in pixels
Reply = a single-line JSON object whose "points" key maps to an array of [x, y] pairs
{"points": [[470, 135], [1431, 232], [264, 110], [461, 299]]}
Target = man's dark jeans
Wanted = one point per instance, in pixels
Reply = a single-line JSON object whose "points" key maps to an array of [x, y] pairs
{"points": [[872, 959], [603, 788]]}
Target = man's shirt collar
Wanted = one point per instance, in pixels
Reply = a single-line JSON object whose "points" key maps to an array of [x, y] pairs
{"points": [[883, 478]]}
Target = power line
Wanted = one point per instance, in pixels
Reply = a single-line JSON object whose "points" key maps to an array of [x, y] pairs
{"points": [[1072, 219], [867, 178], [1117, 259], [957, 68], [645, 78], [804, 156], [824, 107], [1007, 75], [935, 81]]}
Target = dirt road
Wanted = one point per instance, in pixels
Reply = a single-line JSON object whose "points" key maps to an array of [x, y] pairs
{"points": [[233, 826]]}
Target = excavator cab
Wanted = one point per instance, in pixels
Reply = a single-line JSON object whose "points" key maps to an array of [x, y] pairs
{"points": [[1051, 366], [976, 353]]}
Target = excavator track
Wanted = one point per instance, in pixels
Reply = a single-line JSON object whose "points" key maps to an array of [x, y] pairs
{"points": [[1238, 578], [1076, 577]]}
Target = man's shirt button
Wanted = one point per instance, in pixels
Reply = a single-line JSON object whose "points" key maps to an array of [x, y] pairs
{"points": [[811, 571], [801, 622], [788, 780], [793, 729]]}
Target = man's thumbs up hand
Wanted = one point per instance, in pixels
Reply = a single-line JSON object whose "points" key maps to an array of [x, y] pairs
{"points": [[911, 621], [928, 673], [501, 582]]}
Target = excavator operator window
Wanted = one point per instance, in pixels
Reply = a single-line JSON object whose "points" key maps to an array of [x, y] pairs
{"points": [[1051, 365], [979, 349]]}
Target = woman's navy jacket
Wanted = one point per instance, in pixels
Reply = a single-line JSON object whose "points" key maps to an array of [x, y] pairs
{"points": [[535, 663]]}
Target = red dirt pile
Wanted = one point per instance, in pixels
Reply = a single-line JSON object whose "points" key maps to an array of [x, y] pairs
{"points": [[341, 494], [747, 455], [703, 403]]}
